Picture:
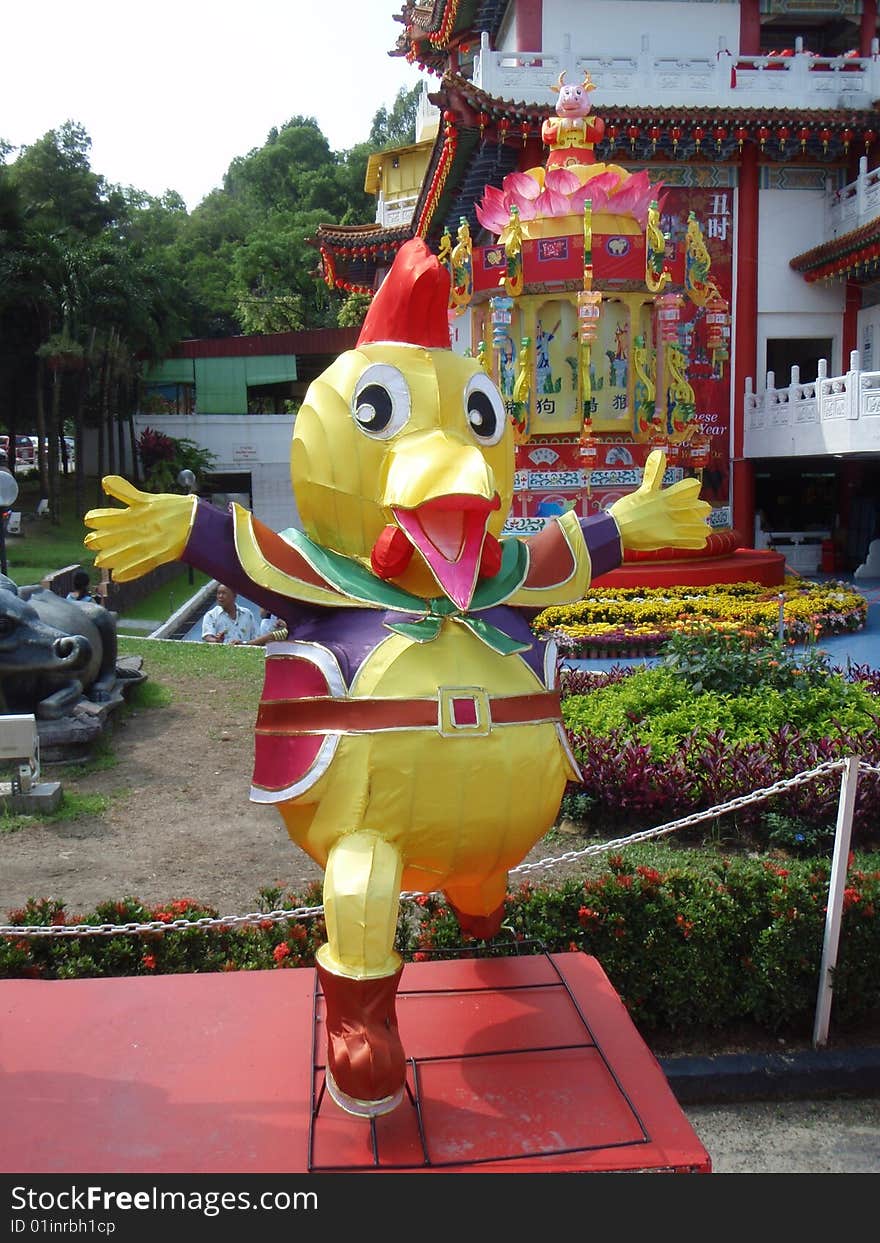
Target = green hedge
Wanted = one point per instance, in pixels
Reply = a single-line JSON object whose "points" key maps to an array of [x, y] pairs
{"points": [[738, 941]]}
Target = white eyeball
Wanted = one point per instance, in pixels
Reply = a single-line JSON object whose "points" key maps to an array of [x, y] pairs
{"points": [[484, 409], [381, 402]]}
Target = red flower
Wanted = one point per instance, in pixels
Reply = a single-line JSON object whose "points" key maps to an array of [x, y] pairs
{"points": [[149, 961], [418, 956], [586, 916], [686, 925], [850, 897], [650, 875], [298, 933], [280, 952]]}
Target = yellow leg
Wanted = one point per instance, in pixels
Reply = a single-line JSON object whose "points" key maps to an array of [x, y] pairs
{"points": [[361, 900], [359, 973]]}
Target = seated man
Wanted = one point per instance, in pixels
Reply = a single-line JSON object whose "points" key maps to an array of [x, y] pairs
{"points": [[226, 622]]}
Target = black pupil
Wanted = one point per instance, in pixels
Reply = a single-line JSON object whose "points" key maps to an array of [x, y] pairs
{"points": [[374, 408], [481, 414]]}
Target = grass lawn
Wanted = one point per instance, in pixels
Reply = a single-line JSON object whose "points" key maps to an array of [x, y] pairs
{"points": [[43, 546]]}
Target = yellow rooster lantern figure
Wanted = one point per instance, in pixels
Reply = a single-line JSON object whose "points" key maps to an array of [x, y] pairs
{"points": [[408, 732]]}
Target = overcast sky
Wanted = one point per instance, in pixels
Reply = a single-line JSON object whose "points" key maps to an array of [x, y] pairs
{"points": [[170, 92]]}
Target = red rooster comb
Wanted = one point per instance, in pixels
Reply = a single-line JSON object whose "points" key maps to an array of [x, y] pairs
{"points": [[412, 303]]}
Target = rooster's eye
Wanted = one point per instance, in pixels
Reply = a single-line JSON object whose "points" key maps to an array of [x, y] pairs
{"points": [[381, 402], [484, 409]]}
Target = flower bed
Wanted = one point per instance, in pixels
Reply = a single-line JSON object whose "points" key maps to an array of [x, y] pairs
{"points": [[633, 621]]}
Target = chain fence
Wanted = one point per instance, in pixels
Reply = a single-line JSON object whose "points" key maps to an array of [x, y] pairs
{"points": [[228, 922]]}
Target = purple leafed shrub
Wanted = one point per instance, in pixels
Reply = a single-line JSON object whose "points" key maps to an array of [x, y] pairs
{"points": [[626, 788]]}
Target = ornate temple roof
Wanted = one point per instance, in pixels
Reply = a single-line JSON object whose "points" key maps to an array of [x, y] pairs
{"points": [[481, 139], [854, 255], [434, 28]]}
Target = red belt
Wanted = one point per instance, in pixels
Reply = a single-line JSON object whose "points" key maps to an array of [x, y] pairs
{"points": [[455, 710]]}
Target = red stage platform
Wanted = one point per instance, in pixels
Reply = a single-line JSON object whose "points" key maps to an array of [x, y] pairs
{"points": [[515, 1064], [744, 565]]}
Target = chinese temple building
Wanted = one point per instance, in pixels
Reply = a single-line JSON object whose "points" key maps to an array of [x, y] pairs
{"points": [[663, 229]]}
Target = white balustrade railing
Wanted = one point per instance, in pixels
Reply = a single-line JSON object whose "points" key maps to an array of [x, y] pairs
{"points": [[392, 213], [726, 80], [855, 204], [833, 414]]}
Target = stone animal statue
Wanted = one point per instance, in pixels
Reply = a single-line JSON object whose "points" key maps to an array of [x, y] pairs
{"points": [[53, 652]]}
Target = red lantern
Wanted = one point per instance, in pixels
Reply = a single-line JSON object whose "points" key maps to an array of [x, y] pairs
{"points": [[612, 132], [719, 133], [825, 135], [717, 321], [869, 137], [763, 135], [741, 135], [632, 134], [589, 310], [803, 135], [676, 135], [783, 134], [524, 130], [699, 135], [699, 450], [668, 315], [847, 137], [655, 134], [483, 121], [503, 127], [589, 447]]}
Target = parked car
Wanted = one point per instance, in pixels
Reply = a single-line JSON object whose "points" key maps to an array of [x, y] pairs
{"points": [[25, 453]]}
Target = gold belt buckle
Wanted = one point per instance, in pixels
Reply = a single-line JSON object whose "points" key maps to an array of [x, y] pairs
{"points": [[463, 710]]}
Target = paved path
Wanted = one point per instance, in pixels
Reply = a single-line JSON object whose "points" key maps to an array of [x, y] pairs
{"points": [[836, 1136]]}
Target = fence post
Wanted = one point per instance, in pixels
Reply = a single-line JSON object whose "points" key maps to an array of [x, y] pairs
{"points": [[836, 885]]}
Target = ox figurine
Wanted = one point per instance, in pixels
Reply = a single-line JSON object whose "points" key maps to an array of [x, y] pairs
{"points": [[572, 134], [53, 652]]}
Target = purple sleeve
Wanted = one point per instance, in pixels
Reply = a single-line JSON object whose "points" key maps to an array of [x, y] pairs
{"points": [[602, 537], [211, 548]]}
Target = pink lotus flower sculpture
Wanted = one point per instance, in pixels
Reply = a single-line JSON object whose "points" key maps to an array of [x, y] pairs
{"points": [[563, 192]]}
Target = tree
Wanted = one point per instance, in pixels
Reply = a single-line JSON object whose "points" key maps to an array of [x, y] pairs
{"points": [[54, 178], [397, 128]]}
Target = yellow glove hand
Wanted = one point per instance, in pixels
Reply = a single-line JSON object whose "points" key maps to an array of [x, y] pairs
{"points": [[653, 517], [152, 529]]}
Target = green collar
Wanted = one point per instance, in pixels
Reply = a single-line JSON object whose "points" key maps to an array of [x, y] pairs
{"points": [[354, 580]]}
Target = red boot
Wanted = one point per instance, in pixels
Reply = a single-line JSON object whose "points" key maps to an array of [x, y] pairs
{"points": [[366, 1066], [485, 927]]}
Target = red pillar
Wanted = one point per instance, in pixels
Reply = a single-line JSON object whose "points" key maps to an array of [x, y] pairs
{"points": [[529, 25], [850, 322], [868, 27], [750, 27], [746, 331]]}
